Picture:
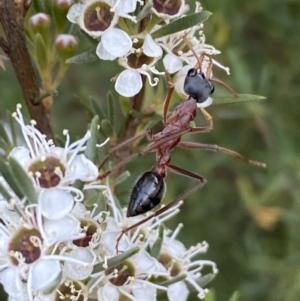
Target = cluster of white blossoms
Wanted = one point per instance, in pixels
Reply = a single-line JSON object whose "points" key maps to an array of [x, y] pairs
{"points": [[54, 248], [131, 41]]}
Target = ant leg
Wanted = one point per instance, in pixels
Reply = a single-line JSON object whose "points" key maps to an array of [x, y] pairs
{"points": [[113, 150], [215, 79], [163, 209], [167, 99], [217, 148], [208, 118], [199, 59], [150, 148], [153, 146], [204, 129]]}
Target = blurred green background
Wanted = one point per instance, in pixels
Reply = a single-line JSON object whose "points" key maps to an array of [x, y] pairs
{"points": [[249, 216]]}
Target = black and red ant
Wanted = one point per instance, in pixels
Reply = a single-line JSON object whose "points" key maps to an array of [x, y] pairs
{"points": [[149, 189]]}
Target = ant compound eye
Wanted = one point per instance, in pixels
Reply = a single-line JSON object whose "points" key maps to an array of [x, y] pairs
{"points": [[192, 72], [202, 74]]}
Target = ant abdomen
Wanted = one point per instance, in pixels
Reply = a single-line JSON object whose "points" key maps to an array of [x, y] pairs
{"points": [[197, 85], [147, 193]]}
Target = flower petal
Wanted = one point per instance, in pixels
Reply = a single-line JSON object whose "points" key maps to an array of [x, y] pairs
{"points": [[75, 12], [147, 264], [55, 203], [129, 83], [116, 41], [22, 155], [45, 273], [62, 229], [103, 54], [11, 282], [126, 6], [172, 63], [178, 291], [79, 271], [83, 169], [145, 292], [108, 292], [178, 80], [150, 48]]}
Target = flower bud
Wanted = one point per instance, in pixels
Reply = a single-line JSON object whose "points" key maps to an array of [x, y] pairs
{"points": [[40, 22], [61, 8], [66, 45]]}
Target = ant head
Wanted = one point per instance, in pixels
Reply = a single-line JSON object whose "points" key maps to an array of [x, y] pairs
{"points": [[198, 86]]}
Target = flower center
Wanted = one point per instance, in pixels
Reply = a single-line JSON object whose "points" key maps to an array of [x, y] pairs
{"points": [[170, 7], [26, 243], [90, 228], [120, 274], [69, 291], [168, 262], [98, 17], [137, 60], [48, 172]]}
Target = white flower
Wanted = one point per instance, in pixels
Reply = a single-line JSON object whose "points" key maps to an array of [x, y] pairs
{"points": [[141, 62], [93, 16], [29, 264], [53, 169], [80, 254], [131, 279], [178, 260]]}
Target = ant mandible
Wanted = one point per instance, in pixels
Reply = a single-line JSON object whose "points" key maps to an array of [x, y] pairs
{"points": [[149, 189]]}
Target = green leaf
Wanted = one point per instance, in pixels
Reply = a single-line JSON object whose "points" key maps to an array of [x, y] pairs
{"points": [[90, 151], [106, 128], [41, 52], [52, 93], [235, 297], [111, 108], [12, 128], [145, 11], [97, 108], [9, 178], [220, 100], [173, 280], [114, 261], [122, 177], [155, 250], [211, 296], [4, 136], [4, 192], [136, 114], [203, 281], [96, 199], [4, 146], [206, 279], [124, 105], [83, 58], [181, 24], [78, 184], [23, 181]]}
